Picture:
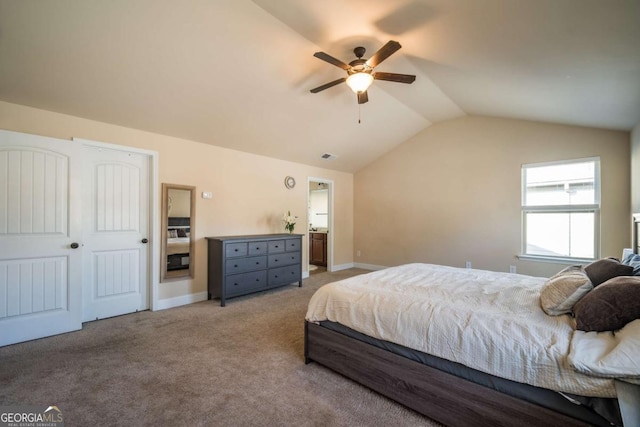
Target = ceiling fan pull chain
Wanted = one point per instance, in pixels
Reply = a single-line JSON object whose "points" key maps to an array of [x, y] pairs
{"points": [[358, 113]]}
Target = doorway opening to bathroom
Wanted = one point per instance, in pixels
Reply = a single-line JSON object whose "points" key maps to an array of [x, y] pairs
{"points": [[320, 225]]}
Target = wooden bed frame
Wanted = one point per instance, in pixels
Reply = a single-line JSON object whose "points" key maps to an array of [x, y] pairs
{"points": [[443, 397]]}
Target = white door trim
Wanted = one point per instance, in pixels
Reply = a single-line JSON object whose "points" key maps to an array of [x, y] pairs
{"points": [[154, 216], [330, 222]]}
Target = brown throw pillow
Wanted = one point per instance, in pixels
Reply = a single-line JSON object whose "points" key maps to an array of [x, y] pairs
{"points": [[604, 269], [610, 306], [560, 293]]}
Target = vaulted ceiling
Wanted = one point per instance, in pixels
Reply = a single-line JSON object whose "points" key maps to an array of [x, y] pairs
{"points": [[237, 73]]}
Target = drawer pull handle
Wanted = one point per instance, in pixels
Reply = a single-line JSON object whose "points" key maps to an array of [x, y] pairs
{"points": [[277, 246], [276, 276], [257, 280], [235, 250], [257, 262], [235, 266], [235, 284]]}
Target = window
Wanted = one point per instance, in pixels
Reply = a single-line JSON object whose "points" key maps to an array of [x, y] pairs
{"points": [[561, 210]]}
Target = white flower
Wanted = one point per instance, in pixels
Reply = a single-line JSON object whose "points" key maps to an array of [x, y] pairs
{"points": [[289, 219]]}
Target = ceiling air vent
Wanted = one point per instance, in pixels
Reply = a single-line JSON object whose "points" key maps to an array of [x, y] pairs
{"points": [[328, 156]]}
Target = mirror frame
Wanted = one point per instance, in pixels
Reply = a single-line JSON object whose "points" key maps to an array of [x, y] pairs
{"points": [[188, 274]]}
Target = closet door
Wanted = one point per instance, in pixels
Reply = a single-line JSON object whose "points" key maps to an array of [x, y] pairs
{"points": [[40, 237], [115, 213]]}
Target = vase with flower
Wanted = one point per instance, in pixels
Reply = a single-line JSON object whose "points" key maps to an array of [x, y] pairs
{"points": [[289, 221]]}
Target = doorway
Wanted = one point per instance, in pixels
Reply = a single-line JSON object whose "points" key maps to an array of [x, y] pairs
{"points": [[49, 255], [320, 225]]}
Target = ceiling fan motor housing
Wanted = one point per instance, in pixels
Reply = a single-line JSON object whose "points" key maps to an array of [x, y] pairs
{"points": [[359, 66]]}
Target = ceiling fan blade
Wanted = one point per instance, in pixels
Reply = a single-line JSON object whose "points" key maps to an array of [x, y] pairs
{"points": [[393, 77], [328, 85], [331, 60], [363, 97], [383, 53]]}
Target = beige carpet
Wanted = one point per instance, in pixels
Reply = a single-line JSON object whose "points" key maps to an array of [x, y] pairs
{"points": [[200, 365]]}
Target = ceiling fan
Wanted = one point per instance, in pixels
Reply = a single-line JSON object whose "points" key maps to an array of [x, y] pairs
{"points": [[360, 72]]}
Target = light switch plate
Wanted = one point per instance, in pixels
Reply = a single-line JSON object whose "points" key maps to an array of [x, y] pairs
{"points": [[207, 195]]}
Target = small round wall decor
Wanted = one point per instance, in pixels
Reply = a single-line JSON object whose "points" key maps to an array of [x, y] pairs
{"points": [[289, 182]]}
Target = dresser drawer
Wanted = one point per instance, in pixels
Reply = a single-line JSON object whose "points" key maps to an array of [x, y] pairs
{"points": [[283, 275], [276, 246], [235, 249], [284, 259], [292, 245], [246, 282], [242, 265], [257, 248]]}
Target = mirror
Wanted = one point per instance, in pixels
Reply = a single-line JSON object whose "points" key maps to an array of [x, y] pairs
{"points": [[178, 228], [318, 208]]}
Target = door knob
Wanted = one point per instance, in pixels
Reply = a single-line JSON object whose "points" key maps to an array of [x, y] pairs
{"points": [[74, 245], [145, 240]]}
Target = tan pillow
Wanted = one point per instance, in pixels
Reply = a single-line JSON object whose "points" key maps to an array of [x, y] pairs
{"points": [[560, 293], [610, 306]]}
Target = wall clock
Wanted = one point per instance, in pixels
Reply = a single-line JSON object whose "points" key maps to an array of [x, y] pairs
{"points": [[289, 182]]}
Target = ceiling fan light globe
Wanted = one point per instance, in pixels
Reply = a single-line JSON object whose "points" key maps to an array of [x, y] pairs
{"points": [[359, 82]]}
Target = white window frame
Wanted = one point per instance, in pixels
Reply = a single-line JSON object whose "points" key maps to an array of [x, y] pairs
{"points": [[593, 208]]}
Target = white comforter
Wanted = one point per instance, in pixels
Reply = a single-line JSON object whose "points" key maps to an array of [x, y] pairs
{"points": [[604, 354], [178, 245], [486, 320]]}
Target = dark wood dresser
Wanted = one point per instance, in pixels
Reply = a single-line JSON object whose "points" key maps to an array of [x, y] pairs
{"points": [[240, 265]]}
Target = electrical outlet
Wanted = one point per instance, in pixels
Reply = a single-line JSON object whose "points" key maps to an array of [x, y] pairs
{"points": [[468, 264], [358, 252], [512, 269]]}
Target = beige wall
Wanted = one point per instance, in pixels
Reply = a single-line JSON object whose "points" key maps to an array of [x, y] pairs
{"points": [[635, 169], [180, 205], [249, 195], [452, 193]]}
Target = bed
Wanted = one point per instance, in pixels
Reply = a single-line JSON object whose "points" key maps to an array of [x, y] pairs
{"points": [[438, 352], [178, 243]]}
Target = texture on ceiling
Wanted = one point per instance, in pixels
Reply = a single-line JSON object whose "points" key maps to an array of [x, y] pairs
{"points": [[237, 73]]}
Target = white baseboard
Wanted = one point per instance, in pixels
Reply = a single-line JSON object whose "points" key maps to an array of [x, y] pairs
{"points": [[340, 267], [369, 266], [166, 303], [181, 300]]}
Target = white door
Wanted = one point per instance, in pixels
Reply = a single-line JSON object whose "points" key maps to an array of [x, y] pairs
{"points": [[115, 232], [40, 272]]}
